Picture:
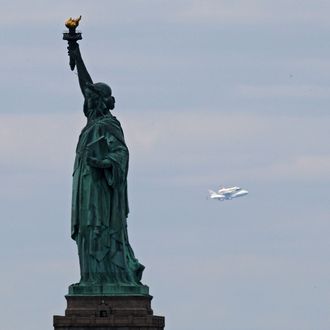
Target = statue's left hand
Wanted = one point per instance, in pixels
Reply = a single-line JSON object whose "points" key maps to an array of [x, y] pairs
{"points": [[94, 162]]}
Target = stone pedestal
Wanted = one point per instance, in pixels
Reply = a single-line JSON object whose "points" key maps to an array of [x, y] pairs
{"points": [[109, 313]]}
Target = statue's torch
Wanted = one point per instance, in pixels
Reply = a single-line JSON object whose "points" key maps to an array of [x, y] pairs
{"points": [[72, 36]]}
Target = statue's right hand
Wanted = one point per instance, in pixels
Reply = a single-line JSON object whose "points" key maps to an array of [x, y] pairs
{"points": [[73, 49]]}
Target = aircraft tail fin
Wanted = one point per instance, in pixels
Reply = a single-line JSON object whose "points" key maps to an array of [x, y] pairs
{"points": [[211, 192]]}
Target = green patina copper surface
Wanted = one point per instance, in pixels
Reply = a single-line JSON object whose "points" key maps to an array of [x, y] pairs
{"points": [[99, 196], [108, 290]]}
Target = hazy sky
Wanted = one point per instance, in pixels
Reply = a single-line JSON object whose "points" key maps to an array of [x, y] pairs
{"points": [[209, 93]]}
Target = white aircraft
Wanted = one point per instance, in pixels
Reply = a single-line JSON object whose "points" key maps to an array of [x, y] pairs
{"points": [[227, 193]]}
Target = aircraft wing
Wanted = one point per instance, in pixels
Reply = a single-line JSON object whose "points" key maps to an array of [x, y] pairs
{"points": [[240, 193]]}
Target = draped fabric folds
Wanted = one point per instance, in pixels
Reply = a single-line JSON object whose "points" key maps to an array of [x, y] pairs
{"points": [[100, 206]]}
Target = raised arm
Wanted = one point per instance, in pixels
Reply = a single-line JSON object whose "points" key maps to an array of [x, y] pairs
{"points": [[83, 75]]}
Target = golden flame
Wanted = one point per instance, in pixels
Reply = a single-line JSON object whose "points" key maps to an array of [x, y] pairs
{"points": [[72, 23]]}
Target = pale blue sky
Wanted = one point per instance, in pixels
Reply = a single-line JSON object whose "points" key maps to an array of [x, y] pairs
{"points": [[209, 92]]}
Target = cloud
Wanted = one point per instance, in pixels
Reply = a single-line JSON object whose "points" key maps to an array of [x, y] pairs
{"points": [[255, 11], [182, 147], [195, 147], [306, 168], [284, 91], [38, 142], [223, 11], [41, 13]]}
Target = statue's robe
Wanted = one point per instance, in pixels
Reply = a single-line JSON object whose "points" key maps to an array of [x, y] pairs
{"points": [[100, 206]]}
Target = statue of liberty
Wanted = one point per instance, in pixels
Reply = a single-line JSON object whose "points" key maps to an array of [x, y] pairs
{"points": [[99, 193]]}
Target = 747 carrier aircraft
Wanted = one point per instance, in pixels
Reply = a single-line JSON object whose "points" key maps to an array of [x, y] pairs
{"points": [[227, 193]]}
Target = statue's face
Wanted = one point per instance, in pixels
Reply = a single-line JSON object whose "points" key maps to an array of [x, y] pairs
{"points": [[96, 104]]}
